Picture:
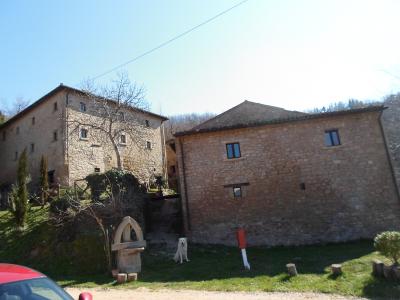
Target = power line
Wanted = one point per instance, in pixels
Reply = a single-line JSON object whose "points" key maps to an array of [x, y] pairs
{"points": [[390, 74], [169, 41]]}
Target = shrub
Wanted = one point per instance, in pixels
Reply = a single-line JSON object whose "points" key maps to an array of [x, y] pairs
{"points": [[160, 182], [388, 244], [62, 203], [114, 182], [97, 185]]}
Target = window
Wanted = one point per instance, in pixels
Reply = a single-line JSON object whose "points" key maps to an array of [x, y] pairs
{"points": [[148, 145], [55, 135], [237, 191], [17, 130], [83, 134], [147, 123], [4, 135], [122, 139], [121, 116], [233, 150], [33, 120], [82, 107], [32, 147], [332, 138], [97, 170], [55, 107], [50, 176], [16, 155]]}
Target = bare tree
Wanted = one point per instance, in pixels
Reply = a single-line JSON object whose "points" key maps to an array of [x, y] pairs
{"points": [[338, 106], [123, 195], [94, 210], [184, 122], [19, 105], [113, 114]]}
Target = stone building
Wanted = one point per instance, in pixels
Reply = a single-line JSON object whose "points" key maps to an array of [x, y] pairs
{"points": [[287, 178], [58, 127], [391, 125]]}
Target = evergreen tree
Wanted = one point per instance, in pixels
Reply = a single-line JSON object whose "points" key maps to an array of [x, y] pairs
{"points": [[19, 195], [44, 181], [2, 118]]}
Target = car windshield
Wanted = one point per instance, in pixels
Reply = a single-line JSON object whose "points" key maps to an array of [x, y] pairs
{"points": [[33, 289]]}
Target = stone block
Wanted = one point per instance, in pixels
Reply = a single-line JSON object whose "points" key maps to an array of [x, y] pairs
{"points": [[132, 276], [388, 272], [122, 277], [336, 269], [291, 269], [377, 268]]}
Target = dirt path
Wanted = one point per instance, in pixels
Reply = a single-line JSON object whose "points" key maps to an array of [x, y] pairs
{"points": [[143, 293]]}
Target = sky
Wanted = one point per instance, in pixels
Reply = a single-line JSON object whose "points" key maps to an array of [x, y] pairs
{"points": [[289, 53]]}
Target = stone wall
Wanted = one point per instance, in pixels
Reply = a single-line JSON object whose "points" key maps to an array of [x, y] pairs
{"points": [[41, 134], [69, 156], [84, 155], [295, 189], [391, 125]]}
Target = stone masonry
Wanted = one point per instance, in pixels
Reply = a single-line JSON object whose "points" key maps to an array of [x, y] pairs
{"points": [[295, 190], [47, 125], [391, 125], [84, 155], [37, 127]]}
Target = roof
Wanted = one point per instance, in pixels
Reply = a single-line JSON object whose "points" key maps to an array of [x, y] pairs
{"points": [[241, 117], [53, 92], [247, 112], [12, 273]]}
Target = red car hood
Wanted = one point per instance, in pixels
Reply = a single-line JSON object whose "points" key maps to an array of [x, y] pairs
{"points": [[12, 273]]}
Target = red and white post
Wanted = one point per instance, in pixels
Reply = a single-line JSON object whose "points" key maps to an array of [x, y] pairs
{"points": [[241, 238]]}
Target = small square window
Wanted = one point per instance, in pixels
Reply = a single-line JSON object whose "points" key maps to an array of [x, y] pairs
{"points": [[55, 106], [147, 123], [82, 107], [55, 135], [237, 192], [122, 139], [16, 155], [97, 170], [32, 147], [233, 150], [332, 138], [17, 130], [148, 145], [33, 120], [83, 134], [121, 116]]}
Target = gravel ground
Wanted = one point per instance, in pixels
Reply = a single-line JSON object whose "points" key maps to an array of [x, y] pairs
{"points": [[143, 293]]}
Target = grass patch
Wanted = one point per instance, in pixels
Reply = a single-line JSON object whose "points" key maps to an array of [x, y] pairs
{"points": [[211, 267]]}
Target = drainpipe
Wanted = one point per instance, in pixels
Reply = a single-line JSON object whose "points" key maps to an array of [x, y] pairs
{"points": [[388, 155], [184, 185]]}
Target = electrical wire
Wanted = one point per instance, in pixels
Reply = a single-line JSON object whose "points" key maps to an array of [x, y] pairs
{"points": [[168, 41]]}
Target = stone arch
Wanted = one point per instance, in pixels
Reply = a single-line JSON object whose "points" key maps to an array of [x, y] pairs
{"points": [[126, 226]]}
